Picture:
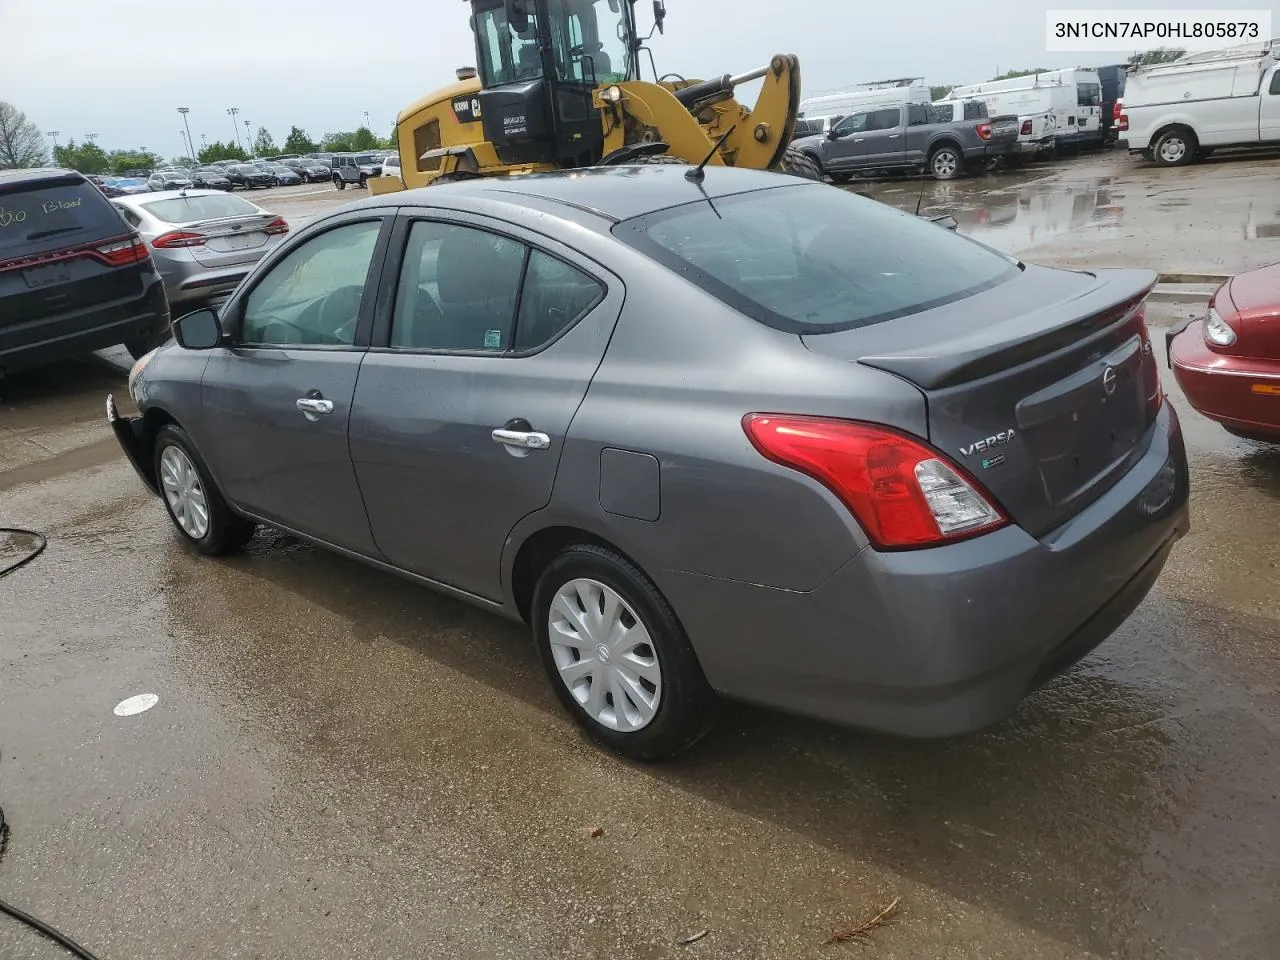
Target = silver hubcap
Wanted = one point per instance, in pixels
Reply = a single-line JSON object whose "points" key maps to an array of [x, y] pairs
{"points": [[944, 164], [183, 492], [1173, 149], [604, 655]]}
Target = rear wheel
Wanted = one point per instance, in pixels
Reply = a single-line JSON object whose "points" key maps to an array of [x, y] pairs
{"points": [[945, 163], [617, 657], [363, 179], [1175, 147], [192, 499], [797, 163]]}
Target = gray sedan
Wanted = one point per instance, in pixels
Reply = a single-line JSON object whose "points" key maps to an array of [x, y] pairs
{"points": [[203, 242], [742, 435]]}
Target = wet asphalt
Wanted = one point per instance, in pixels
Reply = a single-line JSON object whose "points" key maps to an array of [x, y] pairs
{"points": [[342, 764]]}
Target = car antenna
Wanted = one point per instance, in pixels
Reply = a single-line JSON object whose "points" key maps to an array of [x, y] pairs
{"points": [[920, 198], [697, 174]]}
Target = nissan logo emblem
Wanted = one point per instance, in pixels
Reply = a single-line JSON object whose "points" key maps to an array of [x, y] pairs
{"points": [[1109, 381]]}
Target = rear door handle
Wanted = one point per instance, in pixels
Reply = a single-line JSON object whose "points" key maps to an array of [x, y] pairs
{"points": [[313, 407], [521, 439]]}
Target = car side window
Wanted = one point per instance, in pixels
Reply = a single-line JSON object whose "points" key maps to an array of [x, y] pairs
{"points": [[457, 290], [130, 217], [884, 119], [975, 110], [553, 298], [312, 297], [854, 123], [1275, 82]]}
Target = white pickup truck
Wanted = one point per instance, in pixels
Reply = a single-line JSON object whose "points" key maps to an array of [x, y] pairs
{"points": [[1179, 112]]}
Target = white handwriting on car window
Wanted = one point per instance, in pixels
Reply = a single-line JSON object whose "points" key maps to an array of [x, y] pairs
{"points": [[11, 216], [53, 206]]}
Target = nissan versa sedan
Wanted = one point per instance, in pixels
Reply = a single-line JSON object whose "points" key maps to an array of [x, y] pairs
{"points": [[744, 436], [203, 242]]}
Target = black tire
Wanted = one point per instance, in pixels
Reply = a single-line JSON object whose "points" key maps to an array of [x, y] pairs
{"points": [[363, 181], [945, 163], [226, 532], [340, 183], [143, 344], [797, 163], [1175, 147], [686, 705], [659, 159]]}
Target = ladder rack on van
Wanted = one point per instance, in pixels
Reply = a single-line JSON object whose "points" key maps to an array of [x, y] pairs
{"points": [[1250, 51]]}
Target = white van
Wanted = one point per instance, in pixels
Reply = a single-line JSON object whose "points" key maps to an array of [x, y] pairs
{"points": [[843, 104], [1179, 112], [1068, 100]]}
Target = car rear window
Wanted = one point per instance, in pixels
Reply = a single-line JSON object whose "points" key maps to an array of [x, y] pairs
{"points": [[187, 209], [55, 213], [814, 259]]}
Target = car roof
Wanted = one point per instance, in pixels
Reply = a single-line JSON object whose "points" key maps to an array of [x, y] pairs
{"points": [[34, 174], [615, 193]]}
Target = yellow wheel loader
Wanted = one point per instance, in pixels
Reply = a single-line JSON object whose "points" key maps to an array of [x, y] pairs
{"points": [[557, 86]]}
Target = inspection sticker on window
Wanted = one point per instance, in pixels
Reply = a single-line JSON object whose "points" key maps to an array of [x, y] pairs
{"points": [[1126, 31], [493, 339]]}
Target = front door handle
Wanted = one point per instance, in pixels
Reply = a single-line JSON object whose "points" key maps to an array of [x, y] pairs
{"points": [[858, 139], [313, 407], [521, 439], [894, 136]]}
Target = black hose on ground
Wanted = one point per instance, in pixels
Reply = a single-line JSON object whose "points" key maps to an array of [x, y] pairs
{"points": [[34, 923]]}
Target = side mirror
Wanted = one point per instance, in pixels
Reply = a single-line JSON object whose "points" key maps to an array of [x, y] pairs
{"points": [[200, 330], [517, 15], [659, 13], [832, 135]]}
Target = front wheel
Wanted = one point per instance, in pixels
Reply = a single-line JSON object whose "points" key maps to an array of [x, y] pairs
{"points": [[797, 163], [945, 163], [192, 499], [617, 657], [340, 183], [363, 181]]}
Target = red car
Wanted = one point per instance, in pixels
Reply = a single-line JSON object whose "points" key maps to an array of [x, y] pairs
{"points": [[1228, 363]]}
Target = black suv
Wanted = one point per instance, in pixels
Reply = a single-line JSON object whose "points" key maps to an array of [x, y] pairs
{"points": [[73, 276]]}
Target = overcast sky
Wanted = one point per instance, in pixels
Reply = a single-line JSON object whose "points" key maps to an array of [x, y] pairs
{"points": [[121, 70]]}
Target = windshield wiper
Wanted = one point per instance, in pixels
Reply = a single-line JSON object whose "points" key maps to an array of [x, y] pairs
{"points": [[39, 234]]}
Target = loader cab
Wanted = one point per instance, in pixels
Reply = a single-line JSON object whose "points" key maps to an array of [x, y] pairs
{"points": [[539, 61]]}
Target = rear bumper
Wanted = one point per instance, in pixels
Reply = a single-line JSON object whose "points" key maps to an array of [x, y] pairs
{"points": [[944, 641], [81, 331], [1240, 393], [1032, 147]]}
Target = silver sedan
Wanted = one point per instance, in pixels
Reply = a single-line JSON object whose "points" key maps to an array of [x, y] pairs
{"points": [[203, 242]]}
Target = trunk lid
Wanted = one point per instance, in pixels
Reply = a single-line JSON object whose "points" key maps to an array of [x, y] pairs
{"points": [[1044, 388], [1004, 129], [240, 240]]}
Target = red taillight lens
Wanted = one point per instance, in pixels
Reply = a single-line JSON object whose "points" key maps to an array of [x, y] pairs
{"points": [[179, 238], [1123, 122], [904, 494], [277, 226], [1026, 128], [1117, 109], [984, 130], [121, 252]]}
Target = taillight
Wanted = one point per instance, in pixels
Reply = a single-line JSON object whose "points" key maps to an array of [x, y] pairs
{"points": [[1123, 122], [984, 130], [121, 252], [904, 494], [179, 238], [1026, 128], [277, 226], [1117, 109]]}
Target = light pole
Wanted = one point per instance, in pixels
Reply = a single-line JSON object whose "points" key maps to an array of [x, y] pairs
{"points": [[366, 119], [91, 137], [54, 134], [187, 126], [231, 112], [248, 140]]}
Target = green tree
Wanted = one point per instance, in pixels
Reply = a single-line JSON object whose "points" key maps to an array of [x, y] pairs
{"points": [[119, 161], [221, 151], [1158, 55], [339, 142], [21, 144], [1021, 73], [363, 139], [939, 93], [298, 142], [263, 145], [87, 157]]}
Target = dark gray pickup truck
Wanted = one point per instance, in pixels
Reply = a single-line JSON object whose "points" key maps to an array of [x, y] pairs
{"points": [[944, 139]]}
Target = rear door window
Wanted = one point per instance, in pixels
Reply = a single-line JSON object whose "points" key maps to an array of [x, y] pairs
{"points": [[884, 119], [54, 214], [809, 259]]}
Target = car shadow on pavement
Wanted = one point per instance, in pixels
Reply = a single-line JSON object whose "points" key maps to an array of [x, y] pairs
{"points": [[1044, 818]]}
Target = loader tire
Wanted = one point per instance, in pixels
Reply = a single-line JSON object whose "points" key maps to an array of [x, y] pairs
{"points": [[800, 164], [659, 158]]}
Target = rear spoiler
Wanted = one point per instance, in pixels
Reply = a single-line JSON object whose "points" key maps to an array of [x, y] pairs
{"points": [[1113, 295]]}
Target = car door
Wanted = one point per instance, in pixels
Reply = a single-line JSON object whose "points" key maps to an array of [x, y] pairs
{"points": [[465, 400], [916, 140], [845, 146], [277, 399], [885, 138], [1269, 108]]}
